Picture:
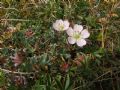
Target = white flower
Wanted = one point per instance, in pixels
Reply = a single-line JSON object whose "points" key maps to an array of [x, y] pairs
{"points": [[61, 25], [77, 35]]}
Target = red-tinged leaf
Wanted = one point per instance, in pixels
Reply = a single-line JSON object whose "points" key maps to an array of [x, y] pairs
{"points": [[78, 60], [29, 33], [20, 80], [64, 67], [17, 59]]}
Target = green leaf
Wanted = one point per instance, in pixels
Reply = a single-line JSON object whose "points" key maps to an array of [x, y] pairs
{"points": [[99, 37], [67, 82], [40, 87], [9, 1], [0, 74], [2, 79], [12, 87], [49, 82], [44, 58], [59, 84]]}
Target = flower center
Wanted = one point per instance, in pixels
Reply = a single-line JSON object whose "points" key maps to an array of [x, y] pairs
{"points": [[61, 27], [77, 36]]}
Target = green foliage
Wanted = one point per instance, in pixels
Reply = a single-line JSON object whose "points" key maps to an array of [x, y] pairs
{"points": [[2, 79], [48, 61], [67, 83]]}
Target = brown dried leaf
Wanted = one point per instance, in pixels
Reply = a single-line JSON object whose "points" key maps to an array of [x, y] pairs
{"points": [[2, 60]]}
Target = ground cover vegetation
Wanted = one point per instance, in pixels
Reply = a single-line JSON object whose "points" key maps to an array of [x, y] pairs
{"points": [[59, 45]]}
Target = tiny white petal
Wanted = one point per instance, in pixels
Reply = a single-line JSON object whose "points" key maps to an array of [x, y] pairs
{"points": [[70, 31], [16, 64], [81, 42], [55, 26], [85, 34], [66, 24], [60, 21], [78, 28], [71, 40]]}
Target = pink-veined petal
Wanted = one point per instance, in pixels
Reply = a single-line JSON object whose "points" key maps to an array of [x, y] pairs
{"points": [[66, 24], [70, 31], [71, 40], [81, 42], [85, 34], [78, 28]]}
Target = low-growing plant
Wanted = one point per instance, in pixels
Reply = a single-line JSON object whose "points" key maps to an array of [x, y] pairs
{"points": [[59, 44]]}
